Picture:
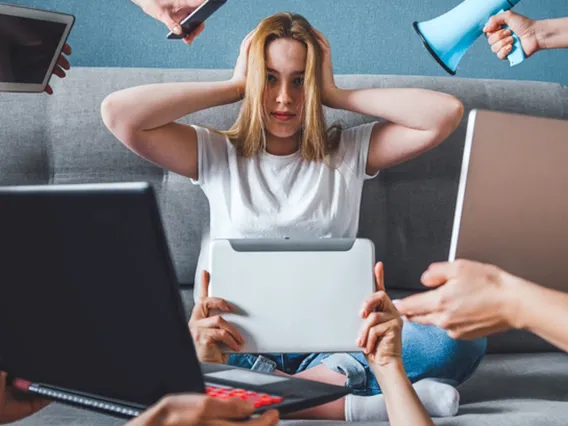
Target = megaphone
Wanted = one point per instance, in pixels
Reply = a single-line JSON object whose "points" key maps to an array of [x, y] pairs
{"points": [[448, 36]]}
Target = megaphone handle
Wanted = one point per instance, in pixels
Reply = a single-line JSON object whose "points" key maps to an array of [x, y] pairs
{"points": [[517, 54]]}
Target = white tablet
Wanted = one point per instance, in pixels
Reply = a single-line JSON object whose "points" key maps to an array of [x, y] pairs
{"points": [[294, 295], [31, 41]]}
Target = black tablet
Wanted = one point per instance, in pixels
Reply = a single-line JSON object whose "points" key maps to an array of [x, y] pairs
{"points": [[31, 41]]}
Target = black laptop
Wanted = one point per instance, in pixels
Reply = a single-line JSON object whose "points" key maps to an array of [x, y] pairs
{"points": [[90, 309]]}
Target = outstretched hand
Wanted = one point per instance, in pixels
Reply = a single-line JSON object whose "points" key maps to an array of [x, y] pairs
{"points": [[468, 299], [61, 66], [171, 13], [201, 410], [13, 408]]}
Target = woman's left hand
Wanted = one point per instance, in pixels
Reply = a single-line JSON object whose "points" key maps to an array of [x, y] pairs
{"points": [[381, 334], [328, 81]]}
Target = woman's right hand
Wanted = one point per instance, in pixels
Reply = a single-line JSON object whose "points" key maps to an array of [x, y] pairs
{"points": [[240, 73], [208, 331], [501, 39]]}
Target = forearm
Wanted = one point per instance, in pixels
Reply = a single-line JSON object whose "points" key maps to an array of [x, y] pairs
{"points": [[539, 310], [418, 109], [552, 33], [151, 106], [403, 406]]}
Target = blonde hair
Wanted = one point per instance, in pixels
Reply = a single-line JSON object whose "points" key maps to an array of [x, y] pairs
{"points": [[248, 133]]}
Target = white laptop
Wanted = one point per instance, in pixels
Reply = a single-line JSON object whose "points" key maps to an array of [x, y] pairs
{"points": [[294, 295], [31, 41], [512, 206]]}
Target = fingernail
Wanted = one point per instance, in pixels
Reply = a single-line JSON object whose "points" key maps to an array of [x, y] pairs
{"points": [[176, 29]]}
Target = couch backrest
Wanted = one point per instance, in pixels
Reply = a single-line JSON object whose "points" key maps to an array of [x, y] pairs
{"points": [[407, 210]]}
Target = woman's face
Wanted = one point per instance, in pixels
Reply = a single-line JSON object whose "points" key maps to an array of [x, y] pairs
{"points": [[284, 93]]}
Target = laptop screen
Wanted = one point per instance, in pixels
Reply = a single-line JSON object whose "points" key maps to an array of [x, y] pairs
{"points": [[88, 296], [27, 47]]}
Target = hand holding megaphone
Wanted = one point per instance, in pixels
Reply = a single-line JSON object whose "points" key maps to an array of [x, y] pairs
{"points": [[501, 39]]}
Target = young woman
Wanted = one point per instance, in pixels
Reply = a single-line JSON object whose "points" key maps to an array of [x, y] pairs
{"points": [[278, 171]]}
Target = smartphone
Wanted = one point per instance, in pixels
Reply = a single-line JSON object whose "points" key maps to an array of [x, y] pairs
{"points": [[197, 17]]}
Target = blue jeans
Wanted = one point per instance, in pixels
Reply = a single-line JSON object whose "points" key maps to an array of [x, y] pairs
{"points": [[427, 352]]}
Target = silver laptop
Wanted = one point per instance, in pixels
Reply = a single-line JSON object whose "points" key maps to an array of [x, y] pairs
{"points": [[31, 41], [512, 206]]}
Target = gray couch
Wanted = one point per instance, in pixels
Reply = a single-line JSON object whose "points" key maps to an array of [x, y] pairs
{"points": [[407, 211]]}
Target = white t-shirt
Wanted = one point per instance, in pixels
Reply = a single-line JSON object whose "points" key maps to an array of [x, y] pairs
{"points": [[269, 196]]}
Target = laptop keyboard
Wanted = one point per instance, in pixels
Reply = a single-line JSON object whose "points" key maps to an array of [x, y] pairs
{"points": [[258, 399]]}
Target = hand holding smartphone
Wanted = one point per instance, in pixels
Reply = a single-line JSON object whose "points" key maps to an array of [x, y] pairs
{"points": [[196, 18]]}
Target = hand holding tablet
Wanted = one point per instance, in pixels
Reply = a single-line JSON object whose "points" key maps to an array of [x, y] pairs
{"points": [[31, 45]]}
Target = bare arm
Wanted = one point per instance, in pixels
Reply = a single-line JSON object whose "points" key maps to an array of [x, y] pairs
{"points": [[534, 35], [417, 120], [403, 406], [552, 33], [538, 309], [143, 118], [381, 341]]}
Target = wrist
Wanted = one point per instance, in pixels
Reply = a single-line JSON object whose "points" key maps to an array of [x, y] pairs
{"points": [[513, 294], [388, 369], [541, 33], [239, 88], [332, 98], [389, 375]]}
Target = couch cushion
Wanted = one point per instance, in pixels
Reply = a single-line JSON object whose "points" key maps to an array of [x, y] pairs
{"points": [[507, 390]]}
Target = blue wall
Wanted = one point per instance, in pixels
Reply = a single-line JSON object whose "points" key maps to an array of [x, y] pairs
{"points": [[367, 36]]}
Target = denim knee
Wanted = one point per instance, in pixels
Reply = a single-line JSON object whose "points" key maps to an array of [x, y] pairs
{"points": [[428, 352], [358, 376]]}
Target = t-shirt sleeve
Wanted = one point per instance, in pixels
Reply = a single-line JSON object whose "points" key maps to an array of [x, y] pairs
{"points": [[355, 143], [212, 155]]}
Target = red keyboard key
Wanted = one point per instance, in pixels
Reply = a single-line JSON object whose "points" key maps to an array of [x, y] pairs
{"points": [[258, 399]]}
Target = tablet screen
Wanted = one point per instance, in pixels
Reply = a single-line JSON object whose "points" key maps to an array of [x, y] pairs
{"points": [[27, 48]]}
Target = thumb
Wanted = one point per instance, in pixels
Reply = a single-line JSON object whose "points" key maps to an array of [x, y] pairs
{"points": [[205, 279], [169, 21], [496, 22], [380, 276], [437, 274]]}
